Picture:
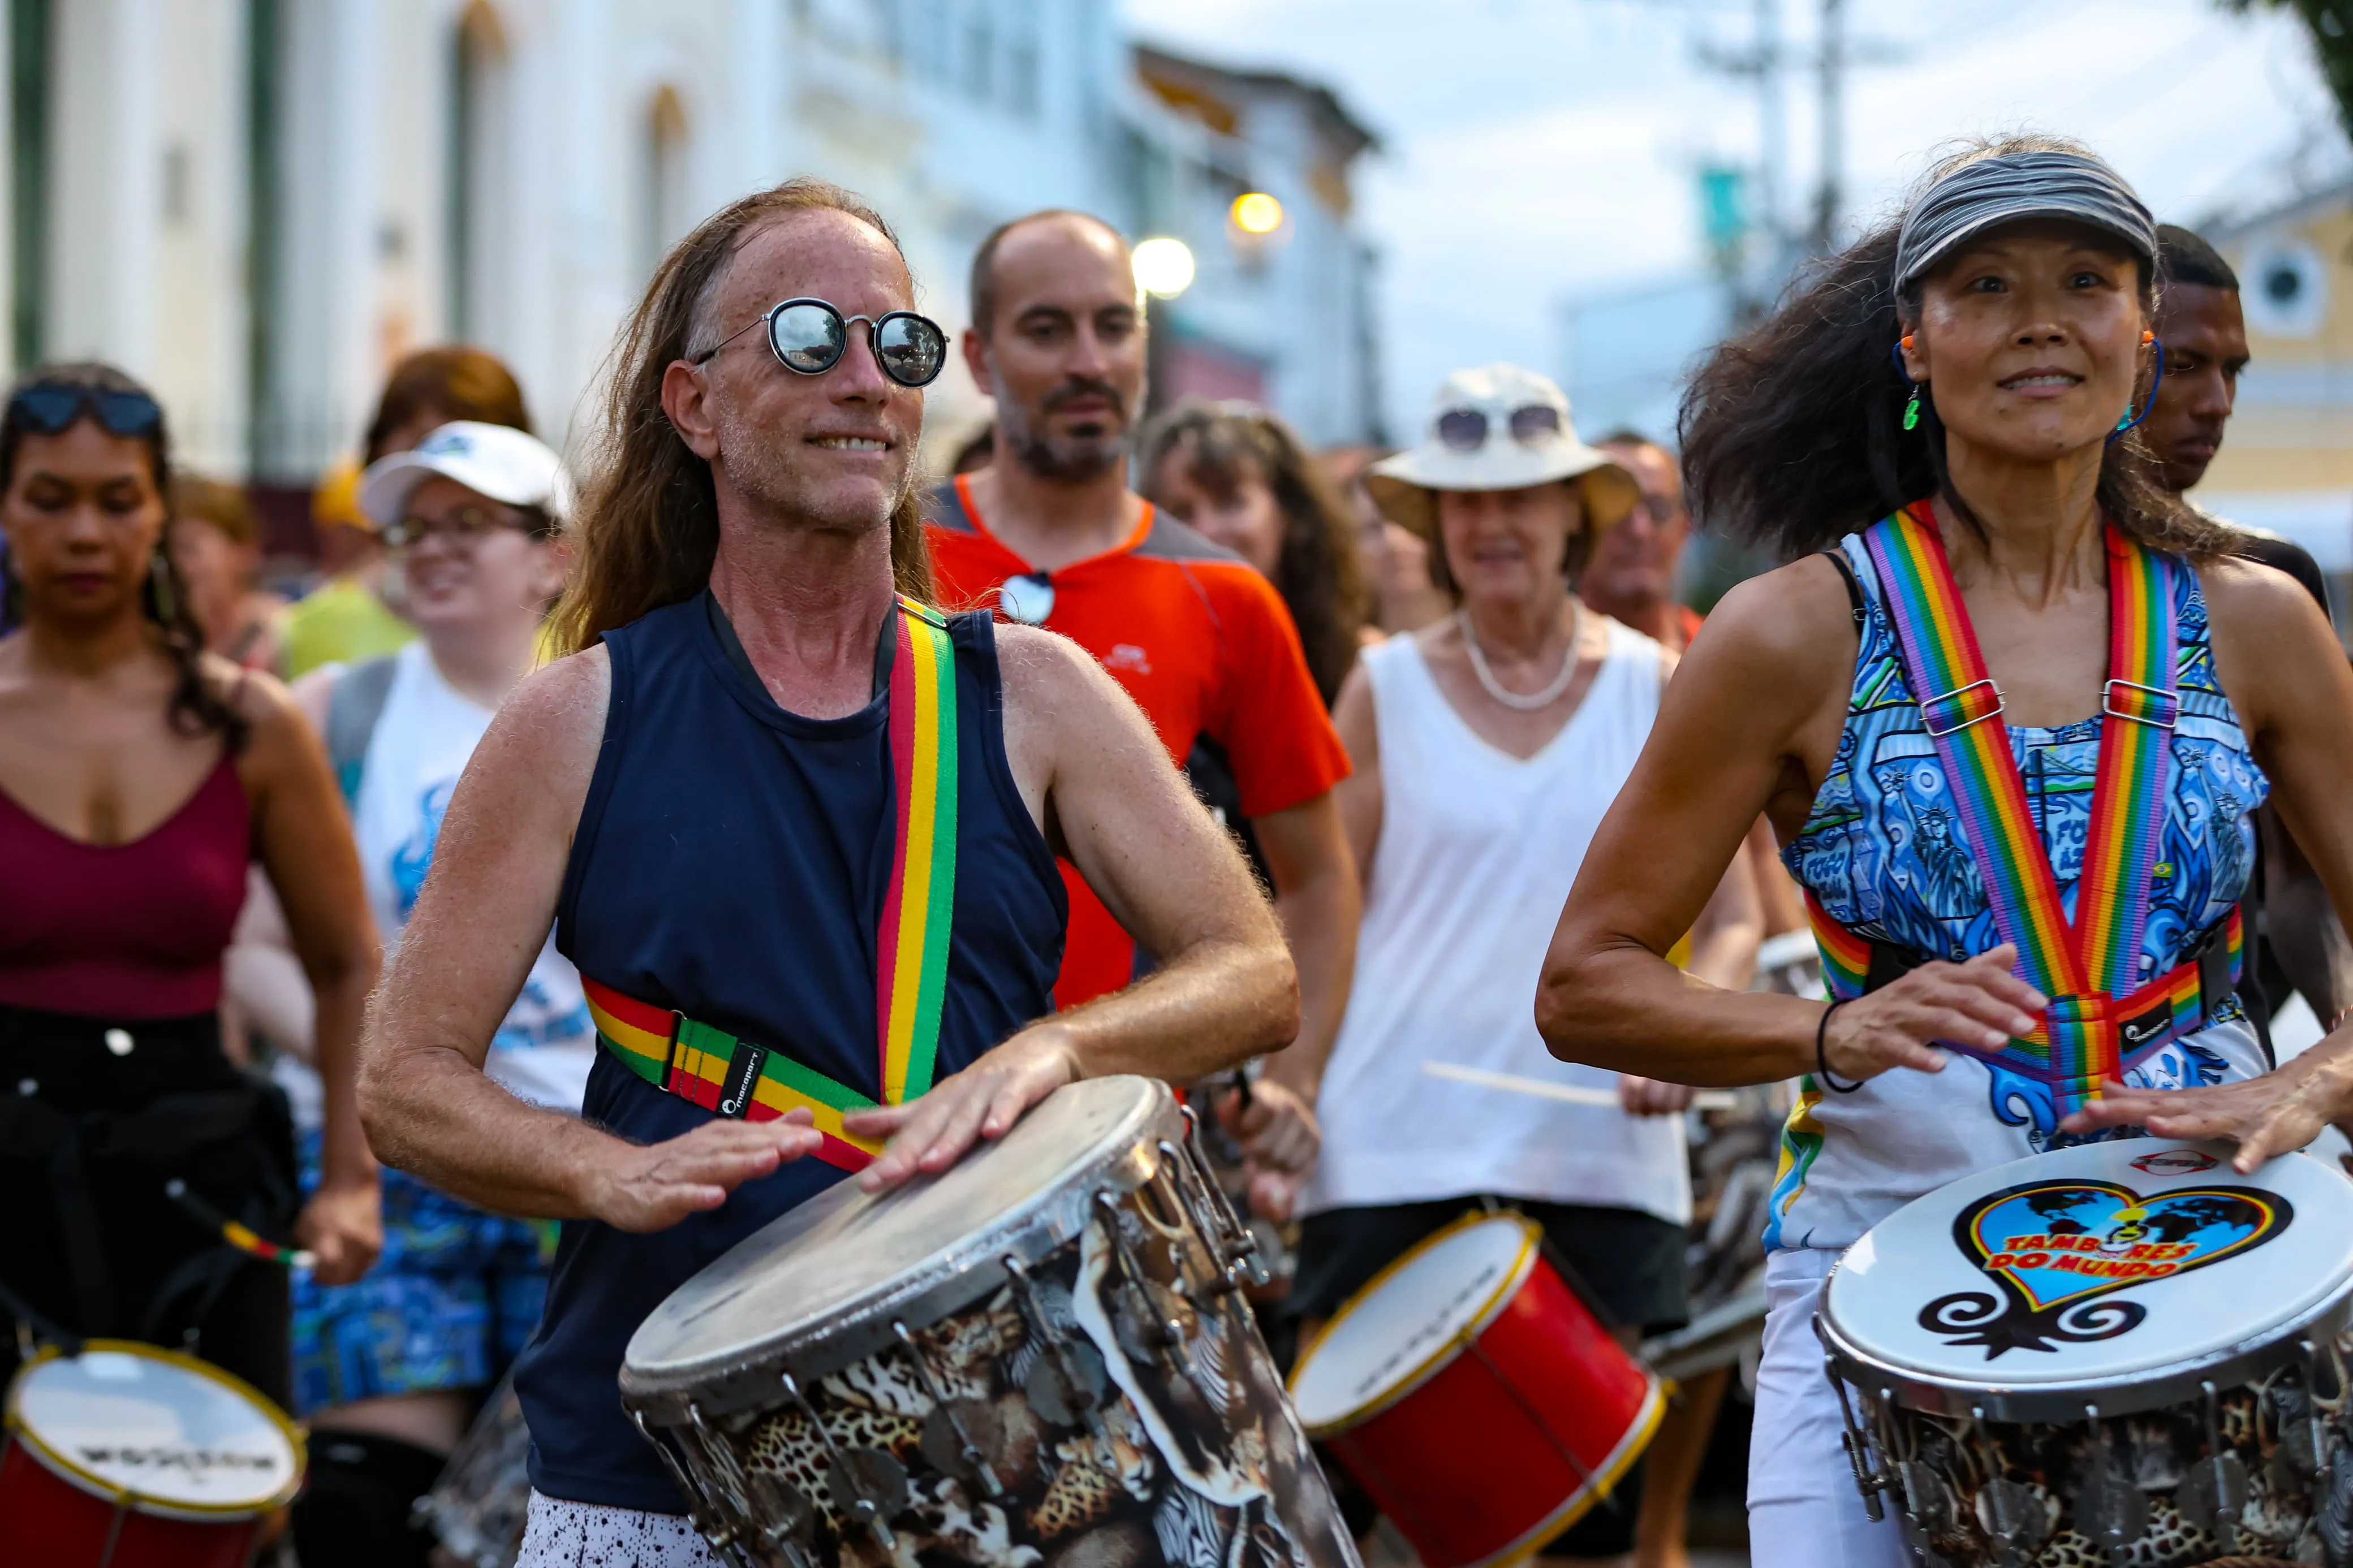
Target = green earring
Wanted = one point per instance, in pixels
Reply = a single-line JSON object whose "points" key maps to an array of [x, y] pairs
{"points": [[1912, 409]]}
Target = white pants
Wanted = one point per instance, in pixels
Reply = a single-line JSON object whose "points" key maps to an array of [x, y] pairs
{"points": [[1804, 1509], [561, 1534]]}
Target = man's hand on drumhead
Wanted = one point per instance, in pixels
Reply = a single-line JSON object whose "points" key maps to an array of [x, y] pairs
{"points": [[928, 1135], [1979, 1003], [2281, 1111], [652, 1187], [1639, 1096], [342, 1225]]}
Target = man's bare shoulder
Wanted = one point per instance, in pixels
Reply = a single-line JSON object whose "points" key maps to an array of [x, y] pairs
{"points": [[1057, 687], [555, 719]]}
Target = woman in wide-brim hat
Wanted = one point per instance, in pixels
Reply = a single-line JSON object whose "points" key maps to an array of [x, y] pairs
{"points": [[1486, 749]]}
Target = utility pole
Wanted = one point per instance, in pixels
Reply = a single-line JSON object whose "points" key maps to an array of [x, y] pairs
{"points": [[1832, 62], [1772, 126]]}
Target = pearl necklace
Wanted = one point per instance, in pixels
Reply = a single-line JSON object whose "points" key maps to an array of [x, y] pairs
{"points": [[1524, 702]]}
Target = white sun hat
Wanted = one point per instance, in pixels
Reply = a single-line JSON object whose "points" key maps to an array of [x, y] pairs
{"points": [[1498, 427], [492, 460]]}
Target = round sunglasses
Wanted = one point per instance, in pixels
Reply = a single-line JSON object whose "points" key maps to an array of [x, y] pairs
{"points": [[809, 337], [1465, 429]]}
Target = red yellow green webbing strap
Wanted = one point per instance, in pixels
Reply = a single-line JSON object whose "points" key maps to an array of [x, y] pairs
{"points": [[2086, 966], [733, 1076]]}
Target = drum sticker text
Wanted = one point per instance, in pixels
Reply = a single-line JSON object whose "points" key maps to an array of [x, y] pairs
{"points": [[195, 1461], [2056, 1248]]}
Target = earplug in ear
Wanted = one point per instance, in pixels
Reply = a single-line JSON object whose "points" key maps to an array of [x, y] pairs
{"points": [[2147, 337], [1906, 341]]}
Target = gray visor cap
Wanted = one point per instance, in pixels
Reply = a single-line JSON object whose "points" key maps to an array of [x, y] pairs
{"points": [[2015, 186]]}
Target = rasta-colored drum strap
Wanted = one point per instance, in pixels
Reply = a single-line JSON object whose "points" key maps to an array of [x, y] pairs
{"points": [[733, 1076], [2100, 1020]]}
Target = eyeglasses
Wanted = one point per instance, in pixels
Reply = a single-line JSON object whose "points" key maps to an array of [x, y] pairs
{"points": [[1465, 429], [809, 337], [50, 408], [464, 528]]}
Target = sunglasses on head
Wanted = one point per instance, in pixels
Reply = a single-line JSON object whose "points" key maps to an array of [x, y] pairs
{"points": [[1465, 429], [809, 337], [51, 408]]}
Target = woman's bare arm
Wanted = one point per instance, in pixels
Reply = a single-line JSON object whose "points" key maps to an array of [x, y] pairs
{"points": [[479, 923], [1747, 726], [303, 841]]}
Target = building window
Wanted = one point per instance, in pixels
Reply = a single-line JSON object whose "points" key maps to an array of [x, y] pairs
{"points": [[478, 147], [1021, 86], [979, 53], [665, 209], [28, 177]]}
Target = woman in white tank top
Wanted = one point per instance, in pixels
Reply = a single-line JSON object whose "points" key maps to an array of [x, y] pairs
{"points": [[1486, 750]]}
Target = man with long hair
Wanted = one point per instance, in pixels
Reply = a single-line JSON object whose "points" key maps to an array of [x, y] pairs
{"points": [[1050, 535], [700, 799]]}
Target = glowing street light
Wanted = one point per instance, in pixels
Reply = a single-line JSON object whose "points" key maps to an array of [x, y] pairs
{"points": [[1164, 268], [1255, 212]]}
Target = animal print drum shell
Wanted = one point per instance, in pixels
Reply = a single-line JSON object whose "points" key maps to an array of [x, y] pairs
{"points": [[1061, 1312]]}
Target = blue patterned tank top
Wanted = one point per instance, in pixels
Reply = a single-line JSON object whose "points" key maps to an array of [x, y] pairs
{"points": [[1885, 854]]}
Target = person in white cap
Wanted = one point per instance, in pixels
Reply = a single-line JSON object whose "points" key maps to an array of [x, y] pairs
{"points": [[1487, 747], [391, 1367]]}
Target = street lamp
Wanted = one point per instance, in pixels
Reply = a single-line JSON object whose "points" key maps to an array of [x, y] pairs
{"points": [[1255, 212], [1164, 267]]}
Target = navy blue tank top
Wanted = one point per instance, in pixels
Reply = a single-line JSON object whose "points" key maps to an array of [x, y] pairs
{"points": [[730, 863]]}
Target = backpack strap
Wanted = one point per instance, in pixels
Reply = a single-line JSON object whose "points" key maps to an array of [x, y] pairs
{"points": [[353, 706]]}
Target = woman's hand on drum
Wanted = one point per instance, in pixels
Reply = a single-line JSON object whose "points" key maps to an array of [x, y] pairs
{"points": [[2282, 1111], [343, 1227], [928, 1135], [1279, 1139], [1639, 1095], [1979, 1003], [652, 1187]]}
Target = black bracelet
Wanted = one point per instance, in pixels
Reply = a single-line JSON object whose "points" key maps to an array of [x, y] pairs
{"points": [[1821, 1062]]}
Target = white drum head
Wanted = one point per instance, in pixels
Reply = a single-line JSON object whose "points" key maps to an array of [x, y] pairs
{"points": [[848, 1254], [1410, 1320], [176, 1436], [2101, 1264]]}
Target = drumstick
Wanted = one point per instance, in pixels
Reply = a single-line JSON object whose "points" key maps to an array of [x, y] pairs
{"points": [[1701, 1100], [239, 1236]]}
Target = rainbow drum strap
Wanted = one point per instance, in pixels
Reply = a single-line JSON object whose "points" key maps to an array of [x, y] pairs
{"points": [[2086, 967], [733, 1076]]}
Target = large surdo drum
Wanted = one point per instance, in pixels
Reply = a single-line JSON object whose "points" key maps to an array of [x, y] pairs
{"points": [[1042, 1354], [2122, 1352]]}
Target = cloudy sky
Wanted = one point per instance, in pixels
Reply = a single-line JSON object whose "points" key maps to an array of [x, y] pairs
{"points": [[1538, 150]]}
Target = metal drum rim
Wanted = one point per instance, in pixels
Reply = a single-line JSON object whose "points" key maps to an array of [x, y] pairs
{"points": [[92, 1484], [934, 1290], [2129, 1395]]}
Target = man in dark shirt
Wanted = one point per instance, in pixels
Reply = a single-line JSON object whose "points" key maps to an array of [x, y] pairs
{"points": [[2302, 947]]}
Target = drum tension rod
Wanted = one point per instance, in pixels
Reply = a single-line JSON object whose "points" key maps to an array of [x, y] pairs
{"points": [[1868, 1480], [968, 1451], [1166, 1333], [2225, 1475], [861, 1507], [1247, 1257], [1083, 1393], [738, 1490], [721, 1537]]}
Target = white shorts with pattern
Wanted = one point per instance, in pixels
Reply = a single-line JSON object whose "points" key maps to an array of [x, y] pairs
{"points": [[561, 1534]]}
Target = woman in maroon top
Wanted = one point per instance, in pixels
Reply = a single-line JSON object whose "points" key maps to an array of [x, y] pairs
{"points": [[138, 776]]}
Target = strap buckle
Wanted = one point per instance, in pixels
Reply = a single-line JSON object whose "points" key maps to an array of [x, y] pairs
{"points": [[2141, 704], [1955, 706]]}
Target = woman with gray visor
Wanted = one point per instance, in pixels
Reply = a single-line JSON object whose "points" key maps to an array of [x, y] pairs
{"points": [[1936, 432]]}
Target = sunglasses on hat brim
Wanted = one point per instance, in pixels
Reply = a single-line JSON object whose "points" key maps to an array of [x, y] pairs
{"points": [[1466, 429], [51, 408], [809, 337]]}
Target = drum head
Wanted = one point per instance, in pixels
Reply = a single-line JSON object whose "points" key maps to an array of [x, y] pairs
{"points": [[2095, 1266], [847, 1257], [1412, 1318], [176, 1436]]}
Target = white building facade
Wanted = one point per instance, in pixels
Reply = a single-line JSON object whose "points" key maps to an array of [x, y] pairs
{"points": [[257, 205]]}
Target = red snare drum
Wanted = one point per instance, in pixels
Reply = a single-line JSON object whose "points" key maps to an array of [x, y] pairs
{"points": [[129, 1456], [1478, 1400]]}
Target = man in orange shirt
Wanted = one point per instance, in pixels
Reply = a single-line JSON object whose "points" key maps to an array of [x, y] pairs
{"points": [[1052, 534]]}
